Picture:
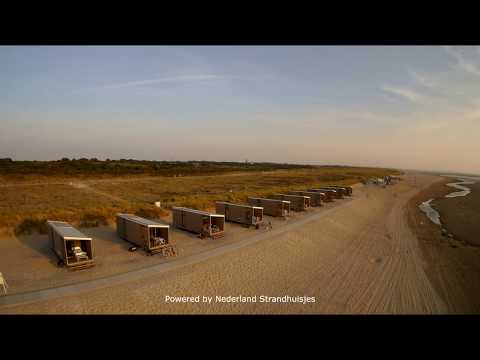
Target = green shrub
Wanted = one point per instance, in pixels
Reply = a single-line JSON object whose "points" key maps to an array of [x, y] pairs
{"points": [[30, 225]]}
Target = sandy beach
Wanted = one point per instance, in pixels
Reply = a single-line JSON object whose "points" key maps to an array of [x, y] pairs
{"points": [[359, 257]]}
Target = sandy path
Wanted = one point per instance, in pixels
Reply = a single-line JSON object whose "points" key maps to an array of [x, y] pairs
{"points": [[86, 187], [82, 185], [360, 258]]}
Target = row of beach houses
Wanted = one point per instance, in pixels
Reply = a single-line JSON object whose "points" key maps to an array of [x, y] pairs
{"points": [[76, 250]]}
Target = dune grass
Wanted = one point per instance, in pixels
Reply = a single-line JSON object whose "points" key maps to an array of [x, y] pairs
{"points": [[201, 192], [24, 208]]}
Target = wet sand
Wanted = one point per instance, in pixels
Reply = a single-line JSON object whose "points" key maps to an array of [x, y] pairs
{"points": [[361, 258], [461, 215], [452, 265]]}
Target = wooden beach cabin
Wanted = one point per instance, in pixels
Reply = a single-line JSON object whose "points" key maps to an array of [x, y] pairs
{"points": [[315, 197], [240, 213], [326, 196], [152, 236], [297, 202], [74, 249], [335, 194], [200, 222], [345, 191], [271, 207]]}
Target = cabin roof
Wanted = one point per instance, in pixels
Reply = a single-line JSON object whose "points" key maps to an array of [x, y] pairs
{"points": [[67, 231], [297, 196], [240, 205], [305, 192], [285, 201], [196, 211], [142, 221]]}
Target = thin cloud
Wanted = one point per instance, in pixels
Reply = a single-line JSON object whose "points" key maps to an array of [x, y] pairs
{"points": [[422, 79], [173, 79], [403, 92], [462, 62]]}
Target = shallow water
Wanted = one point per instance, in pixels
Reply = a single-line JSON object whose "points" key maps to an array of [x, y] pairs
{"points": [[431, 213], [458, 185]]}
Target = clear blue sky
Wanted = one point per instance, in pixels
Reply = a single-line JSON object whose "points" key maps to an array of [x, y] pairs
{"points": [[411, 107]]}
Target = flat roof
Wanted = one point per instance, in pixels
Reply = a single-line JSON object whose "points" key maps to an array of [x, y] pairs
{"points": [[241, 205], [304, 192], [142, 221], [285, 201], [294, 195], [196, 211], [67, 231]]}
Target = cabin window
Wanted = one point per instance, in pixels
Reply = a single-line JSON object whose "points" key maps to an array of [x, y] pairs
{"points": [[257, 213], [77, 250], [217, 224]]}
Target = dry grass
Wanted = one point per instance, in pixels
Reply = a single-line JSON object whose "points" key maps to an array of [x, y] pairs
{"points": [[25, 207], [201, 192]]}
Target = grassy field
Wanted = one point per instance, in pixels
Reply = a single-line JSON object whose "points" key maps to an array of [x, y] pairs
{"points": [[25, 206]]}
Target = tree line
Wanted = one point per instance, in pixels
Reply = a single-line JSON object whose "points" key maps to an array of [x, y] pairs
{"points": [[94, 166]]}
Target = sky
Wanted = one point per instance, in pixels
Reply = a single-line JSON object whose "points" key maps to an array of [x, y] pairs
{"points": [[414, 107]]}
